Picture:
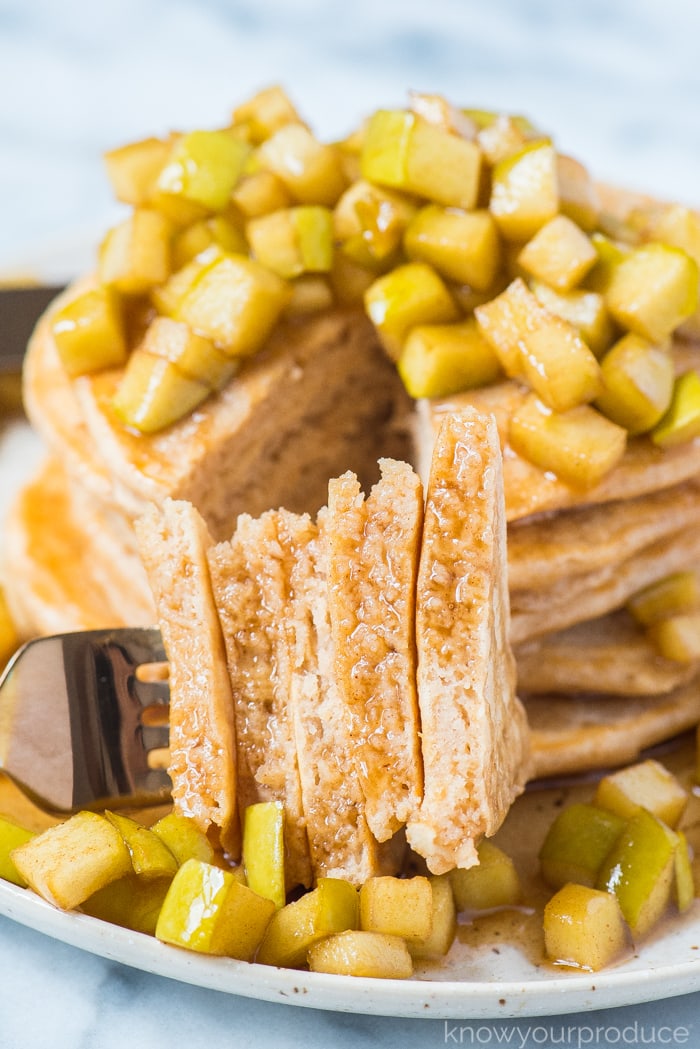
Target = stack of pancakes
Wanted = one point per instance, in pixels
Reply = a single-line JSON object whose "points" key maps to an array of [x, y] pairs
{"points": [[321, 398]]}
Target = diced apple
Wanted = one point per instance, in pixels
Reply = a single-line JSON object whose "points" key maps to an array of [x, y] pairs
{"points": [[404, 151], [266, 112], [235, 302], [202, 169], [674, 593], [332, 907], [312, 172], [150, 856], [493, 882], [578, 198], [653, 290], [577, 842], [681, 422], [441, 359], [410, 295], [369, 223], [579, 446], [648, 785], [89, 332], [360, 953], [311, 293], [463, 246], [69, 862], [184, 838], [209, 911], [263, 850], [584, 928], [500, 138], [135, 255], [397, 906], [195, 239], [129, 902], [678, 637], [684, 881], [12, 835], [524, 193], [196, 357], [154, 393], [559, 254], [640, 869], [133, 169], [293, 241], [585, 310], [259, 193], [638, 380], [444, 922]]}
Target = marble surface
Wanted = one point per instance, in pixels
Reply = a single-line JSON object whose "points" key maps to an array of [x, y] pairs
{"points": [[618, 84]]}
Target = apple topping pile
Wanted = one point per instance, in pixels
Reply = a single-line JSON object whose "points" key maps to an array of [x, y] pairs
{"points": [[480, 254]]}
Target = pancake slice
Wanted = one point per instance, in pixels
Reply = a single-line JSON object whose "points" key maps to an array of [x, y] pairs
{"points": [[173, 543], [340, 841], [251, 579], [474, 730], [373, 549]]}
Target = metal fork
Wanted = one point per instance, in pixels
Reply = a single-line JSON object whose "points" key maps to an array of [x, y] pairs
{"points": [[81, 719]]}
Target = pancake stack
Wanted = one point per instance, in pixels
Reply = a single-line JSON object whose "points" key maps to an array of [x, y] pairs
{"points": [[324, 395]]}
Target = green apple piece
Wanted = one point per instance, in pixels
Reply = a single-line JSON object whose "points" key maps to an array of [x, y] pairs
{"points": [[584, 928], [167, 297], [444, 921], [404, 151], [209, 911], [203, 167], [681, 422], [669, 596], [648, 785], [263, 850], [493, 882], [640, 869], [259, 193], [369, 223], [638, 379], [678, 637], [69, 862], [397, 906], [293, 241], [89, 332], [236, 302], [653, 290], [265, 112], [578, 198], [311, 171], [332, 907], [580, 446], [12, 835], [410, 295], [524, 191], [610, 253], [684, 880], [463, 246], [194, 355], [154, 393], [440, 359], [195, 239], [129, 902], [150, 856], [361, 953], [585, 310], [184, 838], [136, 255], [577, 843]]}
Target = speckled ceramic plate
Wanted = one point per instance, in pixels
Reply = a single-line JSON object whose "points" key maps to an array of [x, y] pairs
{"points": [[492, 971]]}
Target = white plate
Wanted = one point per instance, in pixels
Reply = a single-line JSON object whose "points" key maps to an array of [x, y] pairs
{"points": [[492, 979]]}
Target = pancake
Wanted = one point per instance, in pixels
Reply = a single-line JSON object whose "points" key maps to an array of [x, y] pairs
{"points": [[610, 653]]}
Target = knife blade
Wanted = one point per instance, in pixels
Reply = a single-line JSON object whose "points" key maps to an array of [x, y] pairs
{"points": [[20, 309]]}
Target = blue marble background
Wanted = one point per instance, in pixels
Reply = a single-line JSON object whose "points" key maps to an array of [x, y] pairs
{"points": [[616, 81]]}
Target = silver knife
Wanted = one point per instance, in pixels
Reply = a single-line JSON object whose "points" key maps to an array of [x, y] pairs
{"points": [[20, 309]]}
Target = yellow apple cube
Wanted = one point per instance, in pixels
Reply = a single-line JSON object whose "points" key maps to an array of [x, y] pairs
{"points": [[404, 151], [577, 843], [202, 169], [397, 906], [136, 255], [369, 223], [69, 862], [293, 241], [681, 422], [678, 637], [493, 882], [580, 446], [184, 838], [648, 785], [263, 851], [154, 393], [129, 902], [525, 191], [668, 596], [638, 380], [584, 928], [209, 911], [653, 290], [463, 246], [236, 302], [132, 169], [89, 332], [150, 856], [194, 355], [311, 171], [559, 254], [440, 359], [266, 112], [332, 907], [360, 953], [259, 193], [12, 835], [585, 310], [200, 236], [410, 295], [444, 922], [578, 198]]}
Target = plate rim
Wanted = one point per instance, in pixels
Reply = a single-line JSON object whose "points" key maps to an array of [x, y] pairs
{"points": [[413, 998]]}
